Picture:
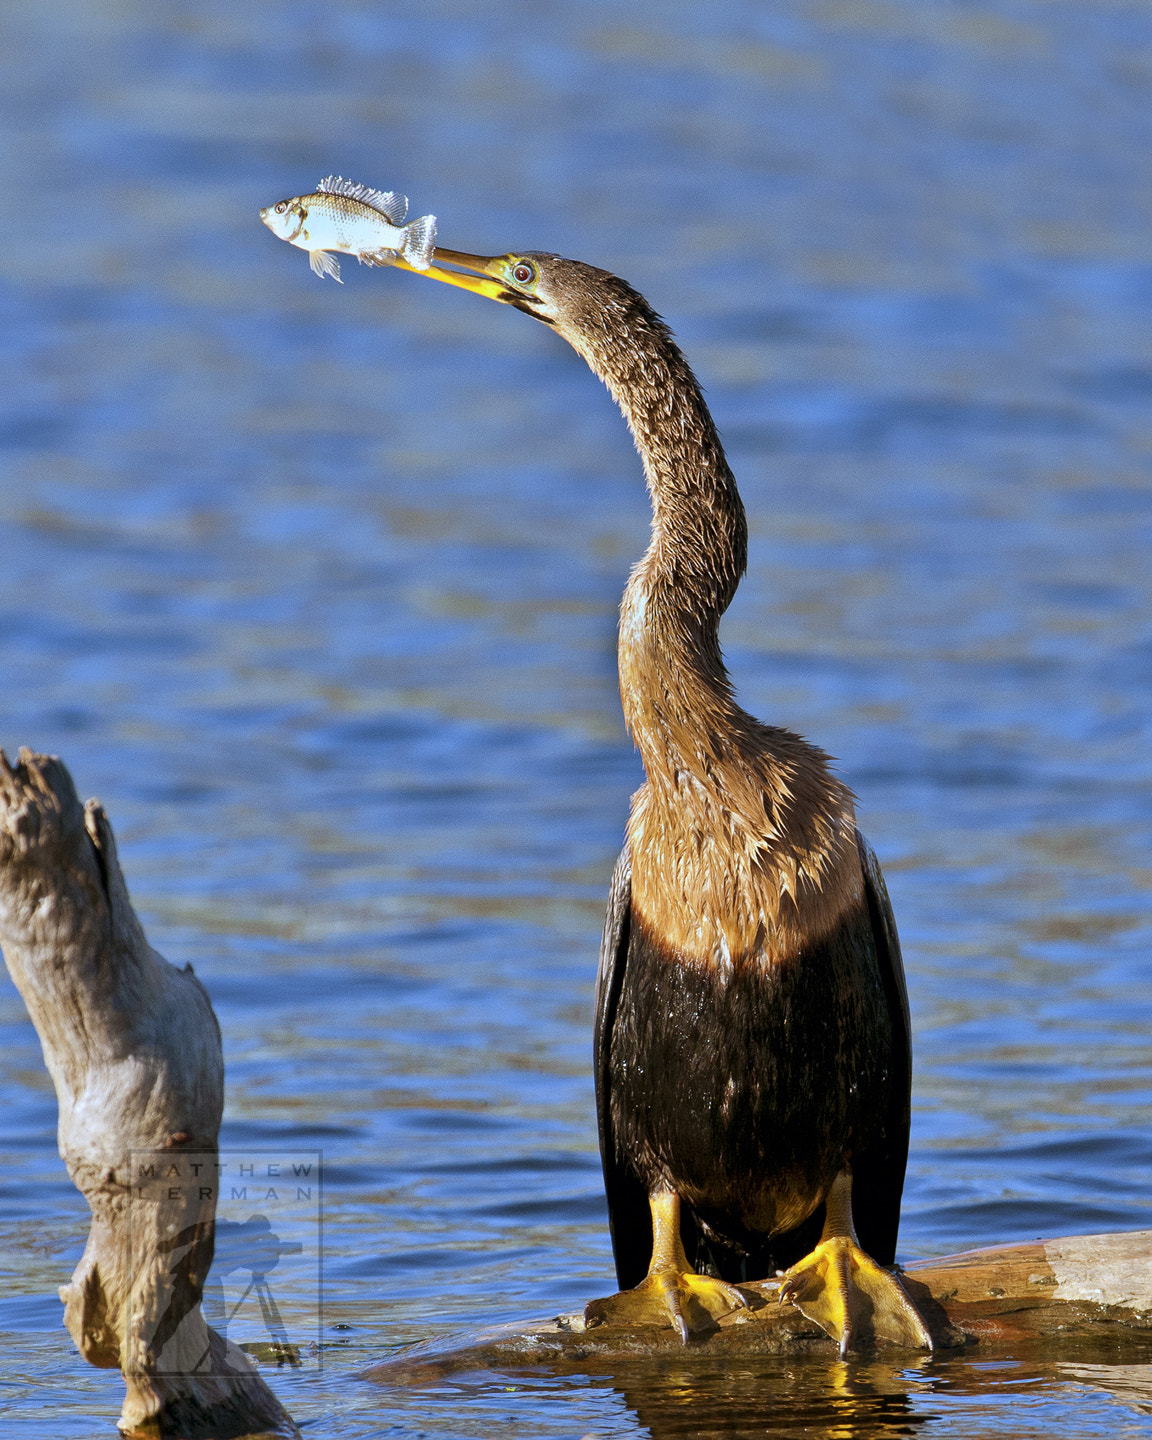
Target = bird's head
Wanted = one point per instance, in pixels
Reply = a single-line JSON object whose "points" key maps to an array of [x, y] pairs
{"points": [[529, 281], [595, 311], [567, 294]]}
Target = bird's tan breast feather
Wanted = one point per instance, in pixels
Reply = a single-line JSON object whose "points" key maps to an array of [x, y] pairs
{"points": [[716, 889]]}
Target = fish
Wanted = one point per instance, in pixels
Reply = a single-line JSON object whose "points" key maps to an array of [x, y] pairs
{"points": [[355, 220]]}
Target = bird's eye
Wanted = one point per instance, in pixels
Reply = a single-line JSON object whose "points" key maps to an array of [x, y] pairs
{"points": [[283, 205], [523, 272]]}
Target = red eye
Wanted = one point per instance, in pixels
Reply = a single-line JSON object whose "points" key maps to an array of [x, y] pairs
{"points": [[283, 205], [523, 273]]}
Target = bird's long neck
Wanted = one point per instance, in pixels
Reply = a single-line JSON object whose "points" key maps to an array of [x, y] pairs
{"points": [[672, 675], [742, 842]]}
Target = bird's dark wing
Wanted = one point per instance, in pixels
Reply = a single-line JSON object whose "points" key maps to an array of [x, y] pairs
{"points": [[629, 1218], [878, 1175]]}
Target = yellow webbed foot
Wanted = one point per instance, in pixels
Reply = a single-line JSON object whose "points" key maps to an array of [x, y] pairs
{"points": [[852, 1298], [671, 1290], [690, 1301]]}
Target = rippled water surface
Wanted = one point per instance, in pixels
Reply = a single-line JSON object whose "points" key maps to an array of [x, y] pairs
{"points": [[315, 587]]}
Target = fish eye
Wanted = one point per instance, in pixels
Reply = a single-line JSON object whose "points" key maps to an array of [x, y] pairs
{"points": [[523, 273], [283, 205]]}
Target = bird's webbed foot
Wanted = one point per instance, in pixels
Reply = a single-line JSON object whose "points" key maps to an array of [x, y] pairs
{"points": [[671, 1292], [847, 1294], [688, 1301]]}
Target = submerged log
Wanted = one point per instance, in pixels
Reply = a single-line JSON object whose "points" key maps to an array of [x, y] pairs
{"points": [[134, 1052], [1053, 1293]]}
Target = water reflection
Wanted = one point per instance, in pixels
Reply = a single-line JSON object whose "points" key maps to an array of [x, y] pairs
{"points": [[846, 1402], [1129, 1385], [863, 1400]]}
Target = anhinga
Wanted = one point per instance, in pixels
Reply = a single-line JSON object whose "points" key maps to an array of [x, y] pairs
{"points": [[752, 1049]]}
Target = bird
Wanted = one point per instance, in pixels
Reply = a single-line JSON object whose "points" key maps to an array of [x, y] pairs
{"points": [[752, 1042]]}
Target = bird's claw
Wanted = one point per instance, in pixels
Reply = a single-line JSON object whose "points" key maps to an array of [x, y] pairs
{"points": [[852, 1298], [689, 1301]]}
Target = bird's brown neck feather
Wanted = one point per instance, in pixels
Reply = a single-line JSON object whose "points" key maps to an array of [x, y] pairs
{"points": [[742, 841]]}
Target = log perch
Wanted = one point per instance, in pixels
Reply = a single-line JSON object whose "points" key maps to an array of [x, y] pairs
{"points": [[133, 1049], [1050, 1294]]}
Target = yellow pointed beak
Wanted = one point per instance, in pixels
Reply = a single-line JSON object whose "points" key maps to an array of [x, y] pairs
{"points": [[475, 272]]}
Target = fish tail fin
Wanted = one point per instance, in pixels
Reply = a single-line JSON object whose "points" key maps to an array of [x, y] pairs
{"points": [[419, 242], [324, 264]]}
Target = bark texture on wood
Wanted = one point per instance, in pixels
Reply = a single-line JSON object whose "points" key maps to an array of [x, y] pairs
{"points": [[1055, 1293], [134, 1052]]}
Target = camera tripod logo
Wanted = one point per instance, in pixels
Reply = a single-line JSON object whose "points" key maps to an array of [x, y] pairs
{"points": [[251, 1247], [257, 1257]]}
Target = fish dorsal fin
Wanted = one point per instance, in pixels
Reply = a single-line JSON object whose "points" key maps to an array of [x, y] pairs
{"points": [[392, 206]]}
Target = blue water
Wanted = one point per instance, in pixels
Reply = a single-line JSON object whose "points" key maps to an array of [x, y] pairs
{"points": [[315, 587]]}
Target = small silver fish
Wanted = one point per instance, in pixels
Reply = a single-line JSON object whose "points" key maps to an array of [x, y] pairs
{"points": [[355, 220]]}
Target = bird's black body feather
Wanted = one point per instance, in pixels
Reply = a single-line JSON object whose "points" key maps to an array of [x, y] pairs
{"points": [[747, 1090]]}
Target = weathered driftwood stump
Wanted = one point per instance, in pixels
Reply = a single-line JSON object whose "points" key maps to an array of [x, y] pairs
{"points": [[1055, 1294], [134, 1052]]}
